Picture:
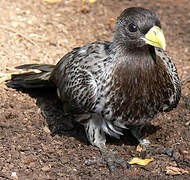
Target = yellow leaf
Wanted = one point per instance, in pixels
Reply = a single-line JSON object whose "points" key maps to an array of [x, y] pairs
{"points": [[92, 1], [52, 1], [142, 162]]}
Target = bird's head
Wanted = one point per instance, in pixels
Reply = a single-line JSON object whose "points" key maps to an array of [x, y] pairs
{"points": [[137, 27]]}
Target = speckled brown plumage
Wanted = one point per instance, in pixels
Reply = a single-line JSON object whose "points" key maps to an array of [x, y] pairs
{"points": [[115, 85]]}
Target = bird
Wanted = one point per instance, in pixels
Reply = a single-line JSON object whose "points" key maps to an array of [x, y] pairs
{"points": [[116, 85]]}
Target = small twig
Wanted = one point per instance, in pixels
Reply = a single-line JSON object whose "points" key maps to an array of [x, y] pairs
{"points": [[18, 33]]}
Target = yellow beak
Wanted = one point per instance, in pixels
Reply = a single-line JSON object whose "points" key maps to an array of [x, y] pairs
{"points": [[155, 37]]}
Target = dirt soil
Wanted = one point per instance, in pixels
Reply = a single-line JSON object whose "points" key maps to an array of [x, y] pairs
{"points": [[36, 140]]}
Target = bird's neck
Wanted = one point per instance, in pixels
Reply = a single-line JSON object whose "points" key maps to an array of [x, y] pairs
{"points": [[135, 59], [131, 66]]}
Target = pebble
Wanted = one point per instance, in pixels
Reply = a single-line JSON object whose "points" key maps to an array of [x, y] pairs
{"points": [[46, 168]]}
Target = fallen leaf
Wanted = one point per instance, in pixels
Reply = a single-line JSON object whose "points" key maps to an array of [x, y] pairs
{"points": [[175, 170], [52, 1], [112, 20], [139, 148], [90, 1], [139, 161], [85, 9]]}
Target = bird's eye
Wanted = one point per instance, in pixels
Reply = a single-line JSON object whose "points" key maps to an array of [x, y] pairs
{"points": [[132, 28]]}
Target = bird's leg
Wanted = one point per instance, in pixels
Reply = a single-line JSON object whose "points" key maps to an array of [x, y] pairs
{"points": [[139, 135], [147, 149], [111, 158], [96, 136]]}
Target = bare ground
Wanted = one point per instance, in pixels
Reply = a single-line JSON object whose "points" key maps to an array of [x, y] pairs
{"points": [[36, 140]]}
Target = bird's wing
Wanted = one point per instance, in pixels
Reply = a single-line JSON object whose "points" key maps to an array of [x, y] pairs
{"points": [[175, 96], [82, 89], [77, 73]]}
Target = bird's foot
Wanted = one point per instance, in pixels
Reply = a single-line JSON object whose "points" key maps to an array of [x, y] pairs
{"points": [[153, 150], [110, 158], [148, 149], [96, 136]]}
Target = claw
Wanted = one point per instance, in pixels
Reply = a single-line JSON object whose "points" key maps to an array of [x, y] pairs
{"points": [[90, 162], [110, 159], [152, 150], [97, 138], [167, 151]]}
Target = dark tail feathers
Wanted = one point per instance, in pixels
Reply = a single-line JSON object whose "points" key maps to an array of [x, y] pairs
{"points": [[36, 76]]}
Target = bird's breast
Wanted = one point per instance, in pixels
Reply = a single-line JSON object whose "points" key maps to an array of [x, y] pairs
{"points": [[137, 91]]}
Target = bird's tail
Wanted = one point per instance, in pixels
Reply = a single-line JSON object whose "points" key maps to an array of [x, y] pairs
{"points": [[31, 76]]}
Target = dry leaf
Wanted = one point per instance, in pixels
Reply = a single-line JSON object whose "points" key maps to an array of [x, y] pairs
{"points": [[175, 170], [139, 161], [85, 9], [52, 1], [92, 1], [139, 148], [112, 20]]}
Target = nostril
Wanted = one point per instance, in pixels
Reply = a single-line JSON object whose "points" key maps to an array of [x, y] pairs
{"points": [[154, 32]]}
